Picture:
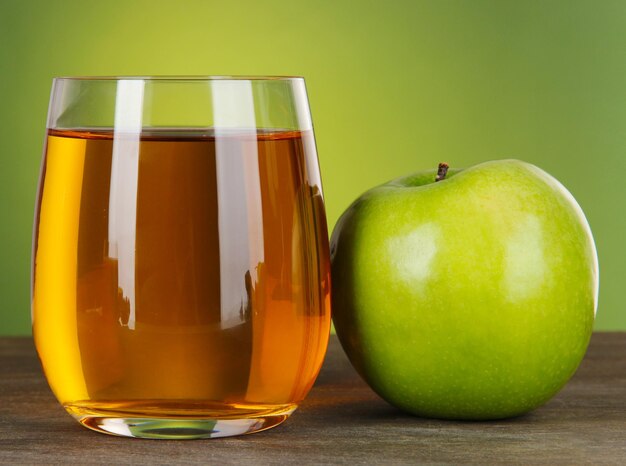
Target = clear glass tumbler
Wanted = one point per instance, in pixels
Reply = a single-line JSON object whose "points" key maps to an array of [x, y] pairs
{"points": [[180, 280]]}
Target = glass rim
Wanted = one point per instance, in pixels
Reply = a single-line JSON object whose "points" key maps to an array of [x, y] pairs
{"points": [[181, 78]]}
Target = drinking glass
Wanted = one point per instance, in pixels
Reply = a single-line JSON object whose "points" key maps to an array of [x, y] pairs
{"points": [[180, 280]]}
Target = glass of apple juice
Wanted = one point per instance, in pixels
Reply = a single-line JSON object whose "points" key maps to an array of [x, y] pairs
{"points": [[180, 278]]}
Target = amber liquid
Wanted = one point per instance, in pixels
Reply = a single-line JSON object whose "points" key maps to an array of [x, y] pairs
{"points": [[180, 273]]}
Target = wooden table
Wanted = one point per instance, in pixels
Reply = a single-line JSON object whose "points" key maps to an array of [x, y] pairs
{"points": [[341, 422]]}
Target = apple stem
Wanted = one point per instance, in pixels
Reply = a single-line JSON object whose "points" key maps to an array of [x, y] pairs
{"points": [[442, 170]]}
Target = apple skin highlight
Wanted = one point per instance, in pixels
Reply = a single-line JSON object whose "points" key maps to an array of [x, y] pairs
{"points": [[470, 298]]}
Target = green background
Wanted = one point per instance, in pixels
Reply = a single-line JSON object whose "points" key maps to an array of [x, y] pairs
{"points": [[394, 87]]}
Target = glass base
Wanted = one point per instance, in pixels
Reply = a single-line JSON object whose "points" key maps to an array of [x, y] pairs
{"points": [[182, 424], [179, 429]]}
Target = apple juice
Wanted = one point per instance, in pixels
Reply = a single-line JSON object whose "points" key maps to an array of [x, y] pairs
{"points": [[180, 272]]}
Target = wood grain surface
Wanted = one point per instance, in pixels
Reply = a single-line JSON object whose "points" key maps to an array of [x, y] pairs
{"points": [[341, 422]]}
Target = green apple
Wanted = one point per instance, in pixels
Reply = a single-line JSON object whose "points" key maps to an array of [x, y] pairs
{"points": [[469, 298]]}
